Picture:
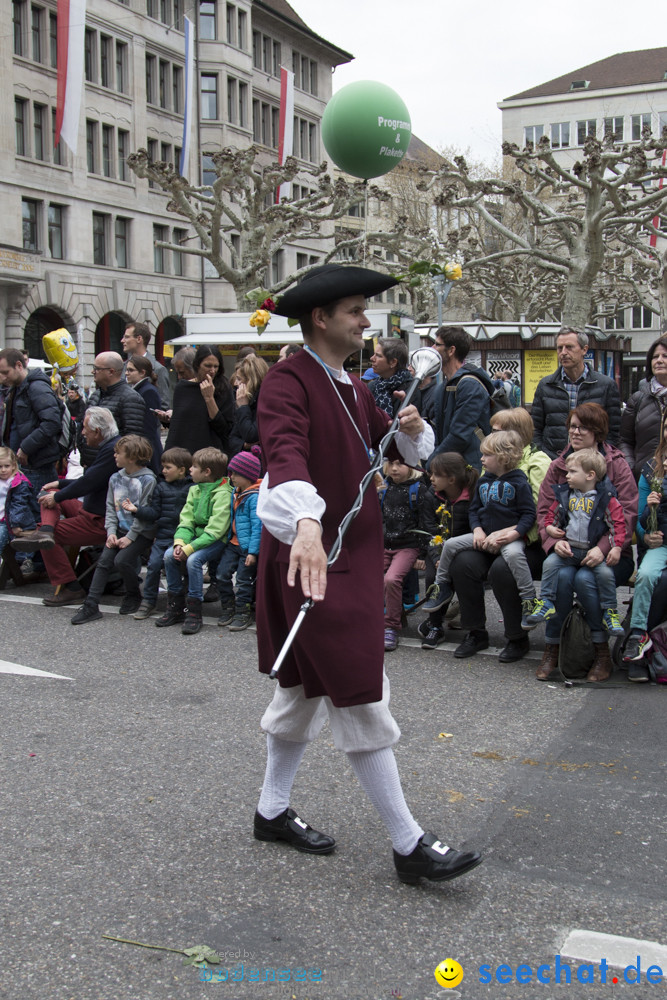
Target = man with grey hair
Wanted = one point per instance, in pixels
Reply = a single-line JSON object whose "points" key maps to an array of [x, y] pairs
{"points": [[390, 364], [66, 520], [113, 392], [572, 383]]}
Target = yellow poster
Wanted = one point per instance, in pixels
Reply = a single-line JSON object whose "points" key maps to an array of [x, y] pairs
{"points": [[536, 364]]}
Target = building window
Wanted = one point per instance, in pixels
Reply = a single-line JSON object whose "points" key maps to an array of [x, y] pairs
{"points": [[305, 73], [38, 126], [159, 235], [560, 135], [209, 96], [56, 240], [30, 211], [164, 83], [151, 8], [277, 59], [613, 128], [53, 40], [231, 24], [123, 146], [615, 322], [106, 64], [242, 18], [277, 266], [207, 20], [639, 123], [121, 67], [89, 52], [208, 174], [121, 240], [36, 32], [20, 115], [19, 15], [642, 318], [232, 97], [256, 49], [164, 11], [100, 238], [586, 130], [59, 150], [91, 146], [151, 149], [243, 105], [178, 15], [150, 79], [177, 262], [177, 89], [532, 134], [166, 153], [107, 150]]}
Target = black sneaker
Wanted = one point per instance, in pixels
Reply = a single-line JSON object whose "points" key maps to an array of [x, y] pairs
{"points": [[227, 615], [636, 646], [439, 595], [515, 649], [242, 619], [433, 638], [474, 642], [88, 612], [130, 604], [637, 672]]}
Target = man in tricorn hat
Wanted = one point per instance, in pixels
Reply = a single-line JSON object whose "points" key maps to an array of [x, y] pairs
{"points": [[317, 426]]}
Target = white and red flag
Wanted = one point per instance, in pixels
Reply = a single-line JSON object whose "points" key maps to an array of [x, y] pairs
{"points": [[184, 166], [286, 127], [70, 60]]}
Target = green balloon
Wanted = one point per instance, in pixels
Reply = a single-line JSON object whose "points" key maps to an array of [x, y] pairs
{"points": [[366, 129]]}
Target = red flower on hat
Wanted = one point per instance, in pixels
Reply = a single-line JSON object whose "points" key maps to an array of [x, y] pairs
{"points": [[268, 304]]}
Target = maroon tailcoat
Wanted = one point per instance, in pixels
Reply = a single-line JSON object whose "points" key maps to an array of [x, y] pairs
{"points": [[306, 434]]}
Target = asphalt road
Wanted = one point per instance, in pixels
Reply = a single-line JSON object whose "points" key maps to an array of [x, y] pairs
{"points": [[128, 791]]}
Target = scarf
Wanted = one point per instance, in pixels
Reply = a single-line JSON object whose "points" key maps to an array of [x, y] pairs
{"points": [[384, 388]]}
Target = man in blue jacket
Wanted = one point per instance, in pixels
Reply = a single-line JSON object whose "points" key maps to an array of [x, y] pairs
{"points": [[461, 406], [31, 425]]}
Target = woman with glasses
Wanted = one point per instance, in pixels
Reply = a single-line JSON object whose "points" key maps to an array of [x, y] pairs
{"points": [[587, 427]]}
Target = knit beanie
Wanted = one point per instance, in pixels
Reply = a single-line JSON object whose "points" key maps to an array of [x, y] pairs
{"points": [[246, 464]]}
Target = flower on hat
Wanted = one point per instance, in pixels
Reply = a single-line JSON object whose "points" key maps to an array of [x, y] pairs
{"points": [[264, 307]]}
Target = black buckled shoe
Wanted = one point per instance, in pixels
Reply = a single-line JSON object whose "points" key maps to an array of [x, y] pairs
{"points": [[290, 828], [515, 649], [474, 642], [433, 860]]}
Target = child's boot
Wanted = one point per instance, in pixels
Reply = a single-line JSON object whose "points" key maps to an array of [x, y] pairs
{"points": [[175, 611], [601, 669], [242, 618], [193, 622]]}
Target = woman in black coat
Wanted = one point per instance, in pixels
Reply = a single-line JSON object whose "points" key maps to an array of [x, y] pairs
{"points": [[202, 409], [640, 422], [140, 375], [249, 376]]}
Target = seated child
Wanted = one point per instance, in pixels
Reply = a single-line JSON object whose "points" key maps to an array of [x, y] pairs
{"points": [[453, 483], [19, 510], [200, 536], [163, 510], [502, 512], [127, 537], [652, 525], [408, 518], [585, 509], [240, 555]]}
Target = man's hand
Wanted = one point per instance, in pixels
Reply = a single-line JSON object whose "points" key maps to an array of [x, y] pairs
{"points": [[409, 421], [22, 457], [593, 557], [307, 555], [46, 500]]}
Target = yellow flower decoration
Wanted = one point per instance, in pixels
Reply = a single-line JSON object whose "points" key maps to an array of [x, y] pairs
{"points": [[260, 319], [453, 271]]}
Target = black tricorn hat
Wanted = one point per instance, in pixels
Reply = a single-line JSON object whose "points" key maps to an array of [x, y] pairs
{"points": [[328, 283]]}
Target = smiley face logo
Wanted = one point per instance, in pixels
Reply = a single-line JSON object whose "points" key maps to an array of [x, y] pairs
{"points": [[449, 973]]}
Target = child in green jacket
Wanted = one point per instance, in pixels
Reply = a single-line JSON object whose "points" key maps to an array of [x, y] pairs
{"points": [[201, 536]]}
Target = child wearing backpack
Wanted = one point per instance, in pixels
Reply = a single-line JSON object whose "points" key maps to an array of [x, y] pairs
{"points": [[503, 501], [408, 515]]}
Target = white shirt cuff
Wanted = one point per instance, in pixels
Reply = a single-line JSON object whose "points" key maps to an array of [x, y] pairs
{"points": [[280, 508]]}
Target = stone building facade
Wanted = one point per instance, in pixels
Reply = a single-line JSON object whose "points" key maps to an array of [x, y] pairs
{"points": [[79, 231]]}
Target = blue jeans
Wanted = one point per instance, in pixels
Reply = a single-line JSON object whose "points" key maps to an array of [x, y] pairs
{"points": [[153, 570], [194, 568], [582, 582], [648, 574], [40, 477], [604, 577], [233, 561], [4, 536]]}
